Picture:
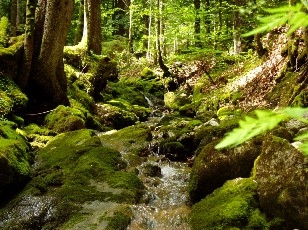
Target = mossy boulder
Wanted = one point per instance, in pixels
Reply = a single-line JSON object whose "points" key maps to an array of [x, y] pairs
{"points": [[133, 139], [212, 168], [147, 73], [75, 178], [115, 117], [281, 174], [209, 131], [151, 170], [14, 160], [11, 58], [175, 100], [233, 206], [174, 151], [134, 90], [11, 97], [141, 112], [64, 119]]}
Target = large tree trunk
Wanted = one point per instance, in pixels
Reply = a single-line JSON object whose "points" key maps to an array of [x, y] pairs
{"points": [[13, 17], [28, 44], [92, 37], [47, 86]]}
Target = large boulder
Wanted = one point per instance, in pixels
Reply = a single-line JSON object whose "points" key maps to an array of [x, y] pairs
{"points": [[212, 168], [64, 119], [233, 206], [281, 174], [76, 181], [14, 160]]}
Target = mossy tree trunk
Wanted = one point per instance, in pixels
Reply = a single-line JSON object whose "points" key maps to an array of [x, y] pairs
{"points": [[47, 86], [28, 44]]}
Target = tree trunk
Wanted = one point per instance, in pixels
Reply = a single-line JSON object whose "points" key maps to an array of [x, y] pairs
{"points": [[13, 17], [47, 86], [79, 30], [197, 23], [130, 36], [92, 37], [207, 20], [28, 44], [149, 30]]}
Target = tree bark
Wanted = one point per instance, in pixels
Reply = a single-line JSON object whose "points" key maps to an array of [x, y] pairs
{"points": [[28, 44], [48, 86], [207, 20], [92, 37], [130, 35], [197, 23], [79, 30], [13, 17]]}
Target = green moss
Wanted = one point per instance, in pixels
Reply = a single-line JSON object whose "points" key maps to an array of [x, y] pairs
{"points": [[14, 163], [132, 139], [11, 97], [64, 119], [4, 30], [114, 116], [231, 206], [119, 221], [147, 73], [134, 89]]}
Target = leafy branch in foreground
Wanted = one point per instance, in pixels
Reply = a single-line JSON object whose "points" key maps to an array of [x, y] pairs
{"points": [[265, 121], [294, 16]]}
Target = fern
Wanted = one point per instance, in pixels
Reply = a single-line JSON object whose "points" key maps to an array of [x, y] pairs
{"points": [[264, 121], [292, 15]]}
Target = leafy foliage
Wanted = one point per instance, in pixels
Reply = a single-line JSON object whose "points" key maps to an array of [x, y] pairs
{"points": [[265, 121], [292, 15]]}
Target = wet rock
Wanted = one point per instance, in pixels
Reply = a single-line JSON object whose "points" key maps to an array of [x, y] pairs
{"points": [[233, 206], [281, 174], [295, 125], [212, 168], [212, 122], [151, 170], [174, 151], [30, 213]]}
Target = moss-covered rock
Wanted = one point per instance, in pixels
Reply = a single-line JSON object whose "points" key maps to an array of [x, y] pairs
{"points": [[147, 73], [11, 57], [14, 160], [281, 174], [134, 90], [14, 166], [176, 100], [174, 151], [133, 139], [212, 168], [64, 119], [76, 179], [114, 116], [233, 206], [141, 112], [11, 97]]}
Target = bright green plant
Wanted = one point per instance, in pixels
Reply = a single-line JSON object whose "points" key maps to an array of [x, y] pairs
{"points": [[294, 16], [265, 121]]}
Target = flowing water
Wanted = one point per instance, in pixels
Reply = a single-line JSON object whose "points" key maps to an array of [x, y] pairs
{"points": [[165, 204]]}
